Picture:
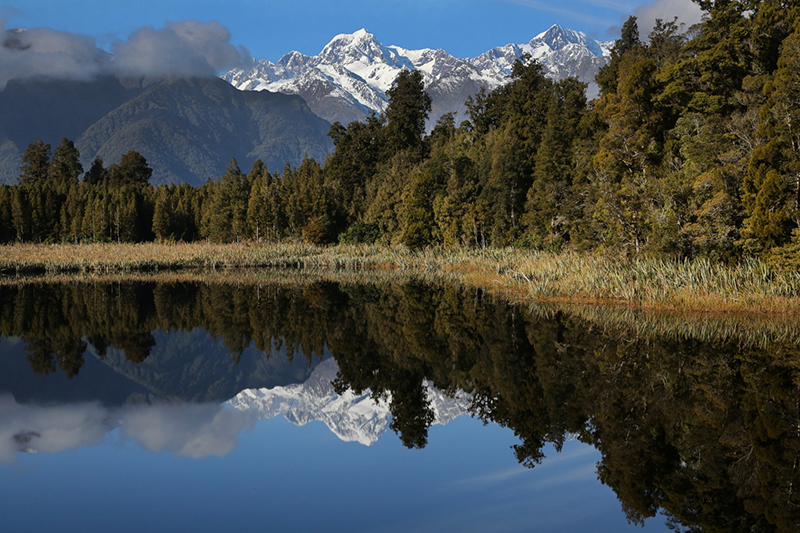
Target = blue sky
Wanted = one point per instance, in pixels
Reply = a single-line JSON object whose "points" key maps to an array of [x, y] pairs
{"points": [[268, 28]]}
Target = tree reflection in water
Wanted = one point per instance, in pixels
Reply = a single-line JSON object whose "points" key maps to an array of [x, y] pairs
{"points": [[709, 433]]}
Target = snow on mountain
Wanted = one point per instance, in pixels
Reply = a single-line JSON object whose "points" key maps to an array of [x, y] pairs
{"points": [[351, 417], [349, 78]]}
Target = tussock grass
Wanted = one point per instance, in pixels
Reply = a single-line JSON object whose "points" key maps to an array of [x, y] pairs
{"points": [[106, 257], [752, 287]]}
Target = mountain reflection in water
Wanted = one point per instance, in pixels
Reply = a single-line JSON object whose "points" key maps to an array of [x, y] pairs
{"points": [[704, 432]]}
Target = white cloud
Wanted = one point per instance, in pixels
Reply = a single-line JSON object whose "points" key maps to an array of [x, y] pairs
{"points": [[42, 52], [185, 49], [188, 48], [49, 429]]}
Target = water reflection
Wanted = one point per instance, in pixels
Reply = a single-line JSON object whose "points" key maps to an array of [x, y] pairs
{"points": [[190, 430], [705, 432], [350, 416]]}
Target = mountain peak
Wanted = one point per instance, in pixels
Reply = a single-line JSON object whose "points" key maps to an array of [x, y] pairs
{"points": [[358, 38], [363, 33], [349, 47], [558, 38]]}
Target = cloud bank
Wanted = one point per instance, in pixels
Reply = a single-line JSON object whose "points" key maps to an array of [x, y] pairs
{"points": [[183, 49]]}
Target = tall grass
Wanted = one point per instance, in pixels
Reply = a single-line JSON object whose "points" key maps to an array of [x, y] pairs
{"points": [[566, 278]]}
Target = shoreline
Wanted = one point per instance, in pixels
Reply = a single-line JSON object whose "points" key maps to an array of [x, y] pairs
{"points": [[564, 279]]}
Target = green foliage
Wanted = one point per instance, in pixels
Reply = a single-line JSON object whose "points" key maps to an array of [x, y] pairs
{"points": [[406, 113], [35, 163], [361, 233], [131, 170]]}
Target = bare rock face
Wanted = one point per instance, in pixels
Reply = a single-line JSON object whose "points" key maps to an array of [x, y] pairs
{"points": [[349, 78]]}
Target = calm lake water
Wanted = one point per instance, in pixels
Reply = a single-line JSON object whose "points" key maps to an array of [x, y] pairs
{"points": [[397, 407]]}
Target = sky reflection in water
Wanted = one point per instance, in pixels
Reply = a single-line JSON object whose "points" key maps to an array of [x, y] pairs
{"points": [[284, 477]]}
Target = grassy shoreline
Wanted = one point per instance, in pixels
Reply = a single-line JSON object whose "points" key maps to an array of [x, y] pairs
{"points": [[536, 277]]}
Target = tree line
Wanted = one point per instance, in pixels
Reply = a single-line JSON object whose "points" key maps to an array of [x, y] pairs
{"points": [[691, 149]]}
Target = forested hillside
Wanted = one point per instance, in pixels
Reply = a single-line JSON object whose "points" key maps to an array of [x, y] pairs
{"points": [[691, 149], [187, 128]]}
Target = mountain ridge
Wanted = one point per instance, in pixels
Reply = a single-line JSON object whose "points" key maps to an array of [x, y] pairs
{"points": [[349, 78]]}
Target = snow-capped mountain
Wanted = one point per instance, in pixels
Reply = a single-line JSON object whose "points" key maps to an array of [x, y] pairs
{"points": [[350, 76], [351, 417]]}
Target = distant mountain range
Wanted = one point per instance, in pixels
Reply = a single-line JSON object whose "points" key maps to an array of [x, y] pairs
{"points": [[187, 129], [349, 78]]}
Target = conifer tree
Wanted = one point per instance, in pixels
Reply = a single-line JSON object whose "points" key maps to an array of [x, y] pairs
{"points": [[131, 170], [7, 231], [96, 172], [35, 163], [164, 214], [406, 113], [65, 167]]}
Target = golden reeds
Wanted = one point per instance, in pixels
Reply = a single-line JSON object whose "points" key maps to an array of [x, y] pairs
{"points": [[752, 287]]}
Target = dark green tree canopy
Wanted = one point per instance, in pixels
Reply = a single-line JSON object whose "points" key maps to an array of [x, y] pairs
{"points": [[65, 167], [408, 110], [35, 163], [131, 170]]}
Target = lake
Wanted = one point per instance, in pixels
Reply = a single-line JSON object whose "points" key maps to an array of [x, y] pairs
{"points": [[404, 406]]}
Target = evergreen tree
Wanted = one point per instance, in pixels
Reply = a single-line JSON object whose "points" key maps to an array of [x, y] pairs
{"points": [[131, 170], [406, 113], [7, 231], [65, 166], [96, 172], [608, 76], [163, 217], [358, 149], [225, 211], [771, 188], [260, 216], [547, 217], [22, 214], [35, 163]]}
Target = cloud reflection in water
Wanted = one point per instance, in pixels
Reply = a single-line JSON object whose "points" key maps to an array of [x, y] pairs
{"points": [[190, 430]]}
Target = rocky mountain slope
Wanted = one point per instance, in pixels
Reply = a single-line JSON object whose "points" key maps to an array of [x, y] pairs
{"points": [[350, 76]]}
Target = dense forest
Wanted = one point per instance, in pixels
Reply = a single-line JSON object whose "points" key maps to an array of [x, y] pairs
{"points": [[691, 149]]}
